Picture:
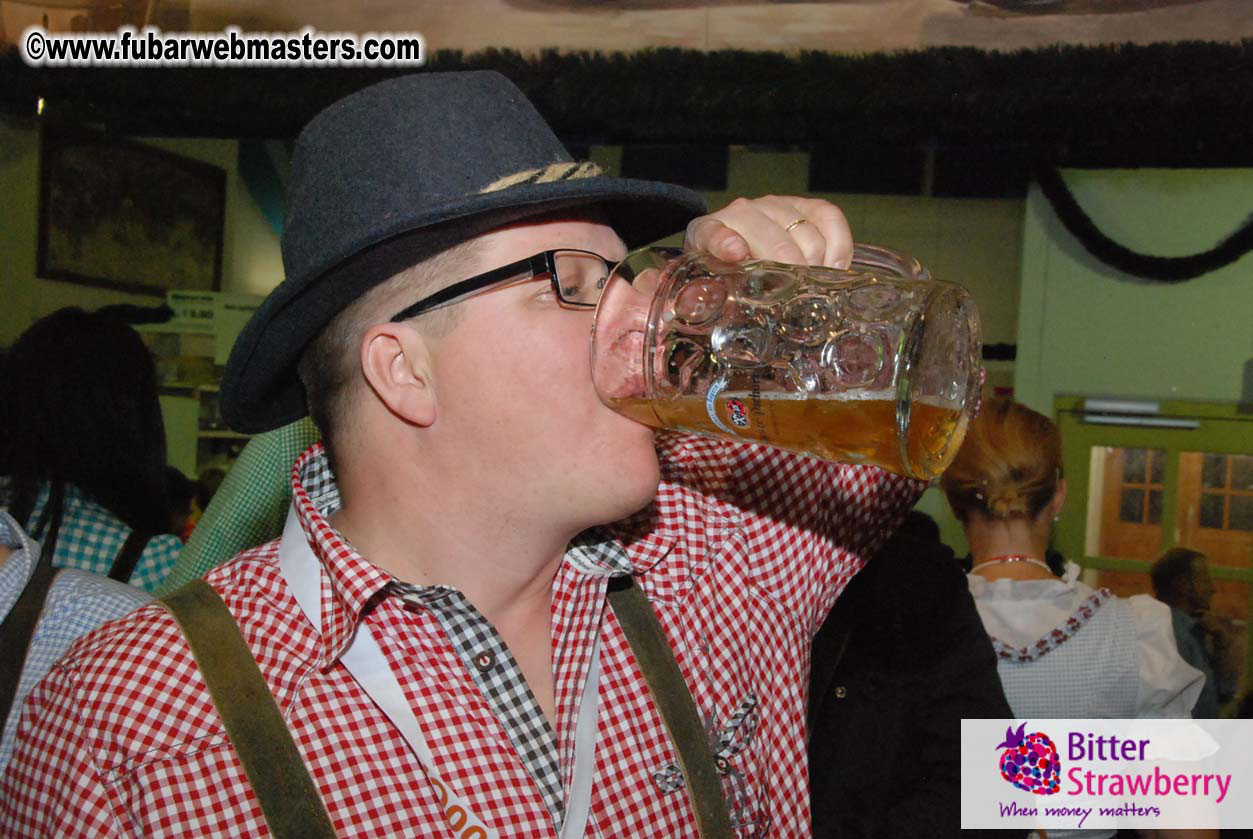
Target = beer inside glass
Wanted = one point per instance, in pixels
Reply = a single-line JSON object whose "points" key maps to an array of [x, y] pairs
{"points": [[874, 364]]}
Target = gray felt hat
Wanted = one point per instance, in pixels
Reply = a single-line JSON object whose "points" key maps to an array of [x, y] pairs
{"points": [[392, 172]]}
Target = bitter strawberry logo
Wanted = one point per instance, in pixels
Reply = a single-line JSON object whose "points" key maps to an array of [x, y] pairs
{"points": [[1030, 762]]}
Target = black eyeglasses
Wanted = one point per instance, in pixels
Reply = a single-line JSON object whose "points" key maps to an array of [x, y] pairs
{"points": [[578, 278]]}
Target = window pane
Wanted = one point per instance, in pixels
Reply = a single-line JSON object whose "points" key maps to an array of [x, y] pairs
{"points": [[1155, 506], [1241, 471], [1131, 505], [1241, 513], [1133, 466], [1211, 510], [1214, 471], [1118, 526], [1157, 466]]}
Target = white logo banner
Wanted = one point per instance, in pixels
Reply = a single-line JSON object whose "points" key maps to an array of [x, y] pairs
{"points": [[1070, 774]]}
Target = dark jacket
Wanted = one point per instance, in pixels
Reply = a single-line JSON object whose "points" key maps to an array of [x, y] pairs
{"points": [[901, 660]]}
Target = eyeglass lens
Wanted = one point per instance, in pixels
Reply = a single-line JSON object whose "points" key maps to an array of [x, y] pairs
{"points": [[581, 276]]}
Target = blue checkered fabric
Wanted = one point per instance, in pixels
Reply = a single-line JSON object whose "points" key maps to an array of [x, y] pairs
{"points": [[1094, 675], [91, 537], [77, 603]]}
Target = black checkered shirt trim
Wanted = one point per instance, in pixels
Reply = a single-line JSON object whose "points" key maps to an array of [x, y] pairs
{"points": [[494, 669], [483, 652]]}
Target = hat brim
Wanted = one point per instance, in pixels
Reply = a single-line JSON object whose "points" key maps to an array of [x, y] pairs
{"points": [[261, 390]]}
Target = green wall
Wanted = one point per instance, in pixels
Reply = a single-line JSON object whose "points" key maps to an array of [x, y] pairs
{"points": [[250, 253], [1085, 329]]}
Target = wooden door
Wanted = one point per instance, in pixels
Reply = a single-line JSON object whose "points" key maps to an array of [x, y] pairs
{"points": [[1216, 518], [1119, 525], [1131, 504]]}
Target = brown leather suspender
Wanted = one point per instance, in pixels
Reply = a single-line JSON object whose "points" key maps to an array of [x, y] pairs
{"points": [[290, 801], [280, 778]]}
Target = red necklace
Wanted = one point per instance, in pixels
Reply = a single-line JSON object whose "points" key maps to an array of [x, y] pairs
{"points": [[997, 560]]}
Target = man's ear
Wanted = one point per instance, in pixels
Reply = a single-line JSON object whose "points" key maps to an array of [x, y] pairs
{"points": [[396, 363]]}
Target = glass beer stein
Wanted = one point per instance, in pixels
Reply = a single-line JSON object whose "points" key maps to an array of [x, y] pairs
{"points": [[875, 364]]}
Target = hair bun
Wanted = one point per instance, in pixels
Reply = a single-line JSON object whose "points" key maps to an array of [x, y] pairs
{"points": [[1005, 504], [1008, 465]]}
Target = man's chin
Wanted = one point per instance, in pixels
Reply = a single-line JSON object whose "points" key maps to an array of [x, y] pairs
{"points": [[647, 494], [640, 492]]}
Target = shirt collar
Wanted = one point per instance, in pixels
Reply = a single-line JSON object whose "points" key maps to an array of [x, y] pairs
{"points": [[351, 582]]}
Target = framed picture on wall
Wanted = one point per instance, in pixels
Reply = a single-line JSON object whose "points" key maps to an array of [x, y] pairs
{"points": [[128, 216]]}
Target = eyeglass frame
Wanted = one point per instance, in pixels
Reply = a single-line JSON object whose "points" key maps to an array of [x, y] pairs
{"points": [[536, 265]]}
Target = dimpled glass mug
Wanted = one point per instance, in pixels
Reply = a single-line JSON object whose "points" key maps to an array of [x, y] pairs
{"points": [[874, 364]]}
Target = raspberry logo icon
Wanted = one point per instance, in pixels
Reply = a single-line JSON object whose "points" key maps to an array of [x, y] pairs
{"points": [[1030, 762]]}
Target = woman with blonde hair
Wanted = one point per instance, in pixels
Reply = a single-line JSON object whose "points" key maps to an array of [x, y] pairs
{"points": [[1064, 650], [1062, 645]]}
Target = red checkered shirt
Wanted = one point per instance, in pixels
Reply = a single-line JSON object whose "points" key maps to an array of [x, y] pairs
{"points": [[742, 554]]}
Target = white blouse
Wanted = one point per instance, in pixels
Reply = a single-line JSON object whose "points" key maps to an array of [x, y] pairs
{"points": [[1024, 613]]}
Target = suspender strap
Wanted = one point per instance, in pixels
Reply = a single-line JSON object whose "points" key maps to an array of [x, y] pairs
{"points": [[290, 801], [128, 556], [678, 711], [17, 630]]}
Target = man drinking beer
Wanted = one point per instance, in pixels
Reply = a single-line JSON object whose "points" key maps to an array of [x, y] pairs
{"points": [[433, 623]]}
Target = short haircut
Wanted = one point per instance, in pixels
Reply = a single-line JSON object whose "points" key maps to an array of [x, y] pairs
{"points": [[438, 258], [180, 490], [1172, 573], [329, 365], [1008, 465]]}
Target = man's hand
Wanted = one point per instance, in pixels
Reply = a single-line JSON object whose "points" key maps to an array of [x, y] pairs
{"points": [[759, 227]]}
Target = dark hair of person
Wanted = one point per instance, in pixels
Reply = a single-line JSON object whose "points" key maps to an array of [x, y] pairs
{"points": [[1172, 573], [1244, 709], [180, 490], [207, 485], [919, 525], [81, 391], [1055, 561]]}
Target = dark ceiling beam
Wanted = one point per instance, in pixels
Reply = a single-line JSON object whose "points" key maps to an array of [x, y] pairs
{"points": [[1180, 104]]}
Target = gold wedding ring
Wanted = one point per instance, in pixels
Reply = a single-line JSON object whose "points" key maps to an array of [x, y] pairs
{"points": [[788, 229]]}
